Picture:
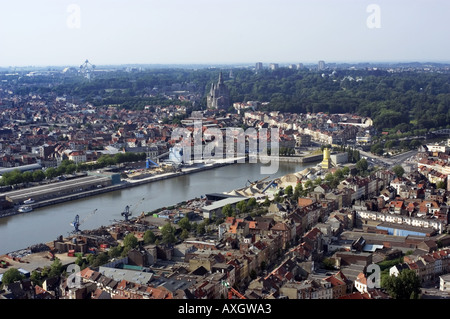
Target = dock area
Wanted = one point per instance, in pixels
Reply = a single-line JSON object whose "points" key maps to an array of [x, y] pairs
{"points": [[51, 194]]}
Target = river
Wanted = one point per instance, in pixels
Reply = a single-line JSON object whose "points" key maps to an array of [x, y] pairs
{"points": [[47, 223]]}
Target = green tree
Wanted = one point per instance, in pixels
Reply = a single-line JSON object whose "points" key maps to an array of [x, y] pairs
{"points": [[251, 203], [12, 275], [50, 173], [100, 259], [441, 184], [201, 228], [405, 286], [115, 251], [227, 210], [38, 176], [56, 268], [27, 177], [398, 170], [168, 234], [36, 277], [289, 191], [149, 237], [345, 170], [184, 234], [242, 207], [185, 224], [309, 185], [362, 165], [130, 241]]}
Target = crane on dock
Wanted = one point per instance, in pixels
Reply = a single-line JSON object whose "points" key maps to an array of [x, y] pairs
{"points": [[76, 222], [127, 213]]}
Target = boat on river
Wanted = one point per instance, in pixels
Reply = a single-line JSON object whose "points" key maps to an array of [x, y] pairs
{"points": [[29, 201], [25, 209]]}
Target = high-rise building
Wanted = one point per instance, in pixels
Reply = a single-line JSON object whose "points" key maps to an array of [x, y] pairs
{"points": [[321, 65], [273, 66], [326, 159], [219, 95], [258, 66]]}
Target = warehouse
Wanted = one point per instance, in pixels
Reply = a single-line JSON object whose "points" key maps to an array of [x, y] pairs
{"points": [[57, 189]]}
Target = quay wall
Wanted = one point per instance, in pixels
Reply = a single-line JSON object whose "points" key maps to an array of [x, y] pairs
{"points": [[122, 185]]}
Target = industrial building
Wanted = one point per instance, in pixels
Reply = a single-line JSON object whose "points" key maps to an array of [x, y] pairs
{"points": [[58, 189], [22, 169]]}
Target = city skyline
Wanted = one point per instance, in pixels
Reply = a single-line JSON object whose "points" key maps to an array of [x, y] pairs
{"points": [[60, 33]]}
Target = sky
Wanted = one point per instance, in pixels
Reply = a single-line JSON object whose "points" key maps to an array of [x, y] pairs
{"points": [[67, 32]]}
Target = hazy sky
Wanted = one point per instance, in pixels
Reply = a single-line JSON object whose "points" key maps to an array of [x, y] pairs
{"points": [[66, 32]]}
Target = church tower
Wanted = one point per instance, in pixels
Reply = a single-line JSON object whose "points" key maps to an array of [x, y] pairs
{"points": [[219, 95]]}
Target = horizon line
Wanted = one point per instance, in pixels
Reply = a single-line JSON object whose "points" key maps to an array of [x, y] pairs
{"points": [[233, 63]]}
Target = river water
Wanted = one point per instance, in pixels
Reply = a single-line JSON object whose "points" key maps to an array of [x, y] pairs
{"points": [[47, 223]]}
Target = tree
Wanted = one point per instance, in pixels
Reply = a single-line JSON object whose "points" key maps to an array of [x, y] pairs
{"points": [[251, 203], [50, 173], [38, 176], [149, 237], [130, 241], [362, 165], [309, 185], [440, 184], [168, 234], [227, 210], [345, 170], [55, 268], [289, 191], [36, 277], [398, 170], [12, 275], [201, 229], [185, 224], [242, 207], [184, 234], [115, 252], [405, 286], [100, 259]]}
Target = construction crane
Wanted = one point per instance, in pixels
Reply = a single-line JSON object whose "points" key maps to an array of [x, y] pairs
{"points": [[127, 213], [76, 222]]}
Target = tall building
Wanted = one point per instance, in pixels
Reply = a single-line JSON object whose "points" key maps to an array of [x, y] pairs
{"points": [[258, 66], [321, 65], [219, 95], [273, 66], [326, 159]]}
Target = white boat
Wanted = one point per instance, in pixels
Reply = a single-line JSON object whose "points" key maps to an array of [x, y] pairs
{"points": [[29, 201], [25, 209]]}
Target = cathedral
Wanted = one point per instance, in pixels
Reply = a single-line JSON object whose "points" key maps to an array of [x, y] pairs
{"points": [[219, 96]]}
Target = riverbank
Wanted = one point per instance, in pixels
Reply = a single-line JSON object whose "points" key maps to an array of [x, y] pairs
{"points": [[124, 184]]}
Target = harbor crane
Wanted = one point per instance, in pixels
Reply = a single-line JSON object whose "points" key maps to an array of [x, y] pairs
{"points": [[127, 213], [76, 222]]}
